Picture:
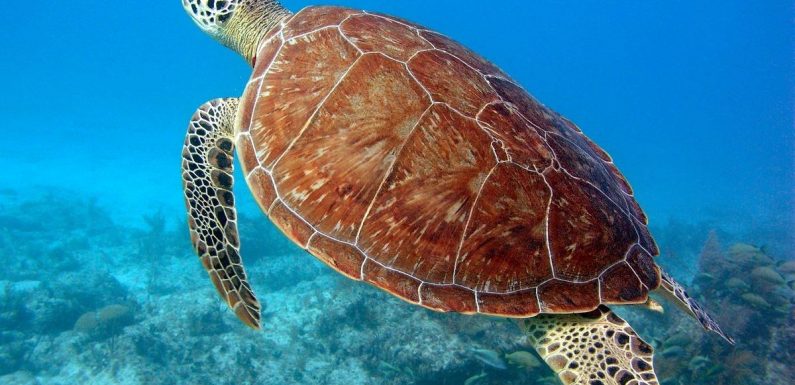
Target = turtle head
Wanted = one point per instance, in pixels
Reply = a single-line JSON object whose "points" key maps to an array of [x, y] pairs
{"points": [[237, 24], [211, 15]]}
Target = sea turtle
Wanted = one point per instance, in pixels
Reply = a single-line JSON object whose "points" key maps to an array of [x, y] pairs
{"points": [[401, 158]]}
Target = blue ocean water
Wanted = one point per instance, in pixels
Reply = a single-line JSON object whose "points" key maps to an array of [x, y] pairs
{"points": [[693, 100]]}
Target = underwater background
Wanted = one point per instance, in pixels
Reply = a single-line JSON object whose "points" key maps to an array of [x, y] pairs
{"points": [[99, 285]]}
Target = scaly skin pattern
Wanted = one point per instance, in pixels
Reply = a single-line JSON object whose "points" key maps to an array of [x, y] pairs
{"points": [[596, 348], [207, 177], [400, 158], [679, 295]]}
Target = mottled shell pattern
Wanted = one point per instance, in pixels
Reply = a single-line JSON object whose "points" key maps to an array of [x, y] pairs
{"points": [[401, 158]]}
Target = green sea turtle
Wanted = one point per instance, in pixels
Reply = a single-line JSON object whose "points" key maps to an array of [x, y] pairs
{"points": [[401, 158]]}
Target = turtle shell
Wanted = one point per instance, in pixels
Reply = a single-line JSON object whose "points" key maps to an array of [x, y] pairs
{"points": [[401, 158]]}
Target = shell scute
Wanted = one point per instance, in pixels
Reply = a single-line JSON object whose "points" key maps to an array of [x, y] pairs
{"points": [[620, 284], [377, 34], [301, 76], [245, 114], [646, 240], [312, 19], [448, 298], [451, 81], [642, 263], [342, 257], [587, 232], [417, 219], [446, 44], [586, 168], [320, 179], [247, 153], [267, 53], [407, 23], [523, 143], [536, 113], [558, 296], [401, 284], [518, 304], [292, 225], [262, 188], [505, 246]]}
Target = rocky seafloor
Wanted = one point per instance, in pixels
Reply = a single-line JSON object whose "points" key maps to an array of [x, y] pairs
{"points": [[86, 300]]}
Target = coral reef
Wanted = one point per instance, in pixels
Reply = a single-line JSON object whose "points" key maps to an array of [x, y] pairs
{"points": [[751, 299]]}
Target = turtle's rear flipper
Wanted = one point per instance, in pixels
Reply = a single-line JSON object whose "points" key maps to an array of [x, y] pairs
{"points": [[676, 293], [207, 168], [592, 348]]}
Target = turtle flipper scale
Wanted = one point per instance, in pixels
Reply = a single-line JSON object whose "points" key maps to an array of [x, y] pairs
{"points": [[592, 348], [207, 175], [677, 293]]}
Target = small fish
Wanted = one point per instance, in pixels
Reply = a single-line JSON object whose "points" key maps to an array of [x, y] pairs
{"points": [[523, 359], [705, 277], [786, 266], [386, 367], [698, 362], [738, 284], [475, 379], [673, 351], [755, 300], [767, 274], [490, 358]]}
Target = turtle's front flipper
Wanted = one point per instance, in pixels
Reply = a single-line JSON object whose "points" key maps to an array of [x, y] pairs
{"points": [[675, 292], [207, 167], [592, 348]]}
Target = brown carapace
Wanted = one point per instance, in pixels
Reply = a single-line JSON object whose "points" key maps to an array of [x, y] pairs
{"points": [[403, 159]]}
